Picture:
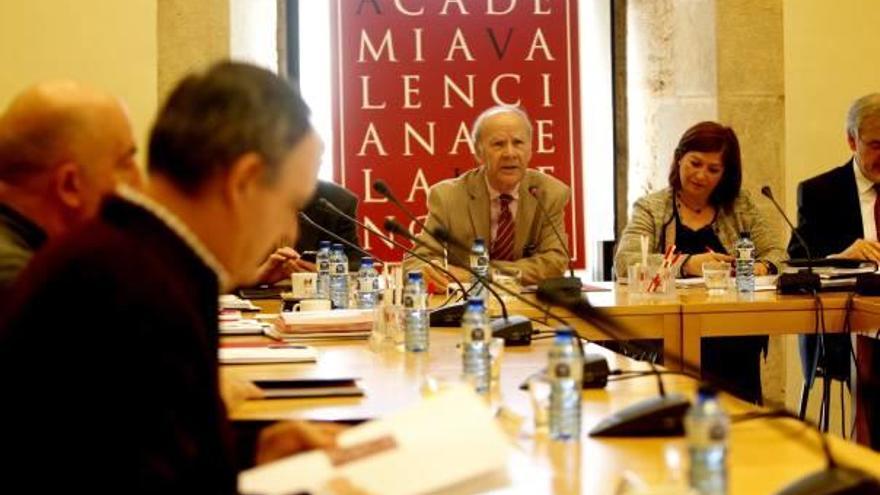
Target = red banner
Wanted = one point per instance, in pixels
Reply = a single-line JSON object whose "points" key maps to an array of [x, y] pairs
{"points": [[410, 77]]}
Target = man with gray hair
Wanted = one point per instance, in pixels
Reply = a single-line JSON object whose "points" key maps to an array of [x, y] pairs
{"points": [[63, 147], [839, 217], [121, 314], [498, 202]]}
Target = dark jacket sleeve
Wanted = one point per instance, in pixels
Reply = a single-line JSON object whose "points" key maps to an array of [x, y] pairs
{"points": [[806, 223]]}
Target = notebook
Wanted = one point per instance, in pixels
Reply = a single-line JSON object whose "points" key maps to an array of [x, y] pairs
{"points": [[309, 388], [284, 353]]}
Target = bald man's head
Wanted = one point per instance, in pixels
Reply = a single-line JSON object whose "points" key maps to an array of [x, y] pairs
{"points": [[67, 143]]}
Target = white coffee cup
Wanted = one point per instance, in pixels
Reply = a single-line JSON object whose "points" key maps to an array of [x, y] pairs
{"points": [[312, 305], [303, 284]]}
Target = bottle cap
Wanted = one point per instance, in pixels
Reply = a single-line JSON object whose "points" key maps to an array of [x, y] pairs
{"points": [[323, 244]]}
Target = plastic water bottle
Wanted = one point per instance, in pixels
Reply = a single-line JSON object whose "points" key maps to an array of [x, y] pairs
{"points": [[322, 259], [480, 265], [415, 313], [565, 371], [745, 263], [707, 427], [368, 284], [338, 277], [476, 334]]}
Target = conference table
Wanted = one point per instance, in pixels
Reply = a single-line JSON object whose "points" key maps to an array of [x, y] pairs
{"points": [[765, 454]]}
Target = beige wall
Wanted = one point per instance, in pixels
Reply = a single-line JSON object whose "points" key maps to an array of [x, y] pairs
{"points": [[829, 46], [830, 59], [108, 43]]}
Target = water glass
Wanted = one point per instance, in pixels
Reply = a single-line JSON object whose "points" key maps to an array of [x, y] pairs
{"points": [[716, 276], [496, 355], [539, 393]]}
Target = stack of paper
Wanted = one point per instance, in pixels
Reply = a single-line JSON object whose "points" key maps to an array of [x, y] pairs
{"points": [[403, 454], [269, 354], [243, 327], [336, 323], [231, 301]]}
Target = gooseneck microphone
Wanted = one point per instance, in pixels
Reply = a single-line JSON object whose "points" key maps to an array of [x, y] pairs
{"points": [[795, 283], [515, 330], [382, 188], [447, 316], [571, 283], [332, 208], [337, 237]]}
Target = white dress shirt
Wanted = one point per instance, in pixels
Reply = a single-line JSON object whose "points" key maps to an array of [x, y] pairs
{"points": [[867, 197]]}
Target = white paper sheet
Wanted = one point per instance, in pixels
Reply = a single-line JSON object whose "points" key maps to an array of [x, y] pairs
{"points": [[412, 454]]}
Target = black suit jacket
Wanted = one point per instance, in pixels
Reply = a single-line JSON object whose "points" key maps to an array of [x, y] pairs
{"points": [[829, 215], [830, 220], [310, 236], [108, 364]]}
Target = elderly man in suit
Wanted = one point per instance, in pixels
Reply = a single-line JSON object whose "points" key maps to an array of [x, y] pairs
{"points": [[839, 216], [498, 202]]}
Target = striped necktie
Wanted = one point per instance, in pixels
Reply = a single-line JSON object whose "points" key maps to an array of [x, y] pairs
{"points": [[502, 246]]}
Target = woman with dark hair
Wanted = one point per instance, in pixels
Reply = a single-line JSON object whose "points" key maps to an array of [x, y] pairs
{"points": [[702, 213]]}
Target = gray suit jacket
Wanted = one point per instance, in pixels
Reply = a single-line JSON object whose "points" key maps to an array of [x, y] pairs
{"points": [[461, 206]]}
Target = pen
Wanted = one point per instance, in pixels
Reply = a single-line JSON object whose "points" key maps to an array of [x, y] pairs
{"points": [[286, 346]]}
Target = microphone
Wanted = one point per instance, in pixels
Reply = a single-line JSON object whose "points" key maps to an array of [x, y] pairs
{"points": [[663, 416], [382, 188], [795, 283], [515, 330], [447, 316], [337, 237], [571, 283], [659, 416]]}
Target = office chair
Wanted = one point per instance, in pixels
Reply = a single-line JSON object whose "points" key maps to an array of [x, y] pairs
{"points": [[830, 364]]}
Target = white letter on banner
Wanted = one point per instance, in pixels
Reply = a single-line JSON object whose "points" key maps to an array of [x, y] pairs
{"points": [[545, 80], [387, 42], [419, 183], [372, 137], [495, 82], [418, 41], [544, 133], [538, 10], [410, 132], [365, 95], [368, 188], [461, 9], [448, 84], [463, 136], [490, 9], [540, 41], [402, 9], [459, 43], [409, 90]]}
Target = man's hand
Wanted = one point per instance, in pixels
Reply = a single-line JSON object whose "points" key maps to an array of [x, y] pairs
{"points": [[278, 266], [694, 265], [861, 250], [234, 391], [290, 437], [440, 281]]}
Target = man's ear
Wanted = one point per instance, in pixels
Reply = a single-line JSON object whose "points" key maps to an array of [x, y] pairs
{"points": [[244, 179], [478, 155], [852, 142], [67, 184]]}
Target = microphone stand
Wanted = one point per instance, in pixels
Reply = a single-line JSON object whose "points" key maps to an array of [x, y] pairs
{"points": [[515, 330], [571, 283], [800, 282], [446, 316], [659, 416], [338, 237]]}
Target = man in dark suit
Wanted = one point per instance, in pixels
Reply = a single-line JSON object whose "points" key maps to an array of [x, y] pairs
{"points": [[310, 236], [839, 216], [301, 258], [108, 348]]}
